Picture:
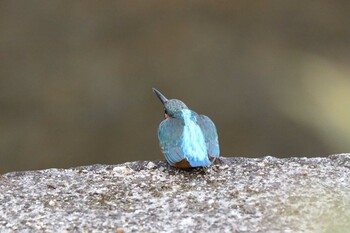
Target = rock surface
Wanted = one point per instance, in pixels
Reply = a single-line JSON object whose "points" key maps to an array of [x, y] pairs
{"points": [[236, 195]]}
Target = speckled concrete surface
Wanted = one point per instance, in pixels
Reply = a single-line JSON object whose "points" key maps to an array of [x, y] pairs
{"points": [[236, 195]]}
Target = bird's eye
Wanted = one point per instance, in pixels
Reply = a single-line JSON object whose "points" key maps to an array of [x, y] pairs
{"points": [[165, 111]]}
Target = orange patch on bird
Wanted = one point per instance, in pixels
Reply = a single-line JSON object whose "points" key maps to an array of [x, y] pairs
{"points": [[182, 164], [185, 164]]}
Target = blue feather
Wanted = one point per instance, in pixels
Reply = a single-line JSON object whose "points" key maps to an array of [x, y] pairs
{"points": [[211, 137], [193, 141], [169, 134]]}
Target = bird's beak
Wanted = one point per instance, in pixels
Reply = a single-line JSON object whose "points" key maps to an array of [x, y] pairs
{"points": [[160, 96]]}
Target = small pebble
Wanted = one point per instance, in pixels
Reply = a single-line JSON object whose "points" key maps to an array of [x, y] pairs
{"points": [[304, 173], [52, 186], [120, 230], [224, 167], [52, 203], [210, 202], [119, 169], [151, 165]]}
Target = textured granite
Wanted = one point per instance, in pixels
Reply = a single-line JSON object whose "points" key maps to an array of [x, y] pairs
{"points": [[236, 195]]}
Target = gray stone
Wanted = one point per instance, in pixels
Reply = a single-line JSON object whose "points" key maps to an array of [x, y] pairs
{"points": [[236, 195]]}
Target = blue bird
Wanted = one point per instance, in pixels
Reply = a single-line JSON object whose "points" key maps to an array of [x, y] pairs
{"points": [[186, 138]]}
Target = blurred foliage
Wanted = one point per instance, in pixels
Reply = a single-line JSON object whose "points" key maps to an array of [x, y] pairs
{"points": [[76, 78]]}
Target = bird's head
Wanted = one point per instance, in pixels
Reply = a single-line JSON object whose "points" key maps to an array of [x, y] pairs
{"points": [[170, 106]]}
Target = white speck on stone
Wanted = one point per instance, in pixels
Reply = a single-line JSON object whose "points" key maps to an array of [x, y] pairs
{"points": [[224, 167], [151, 165], [186, 221], [119, 169]]}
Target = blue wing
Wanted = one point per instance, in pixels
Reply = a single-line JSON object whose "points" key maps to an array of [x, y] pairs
{"points": [[170, 134], [211, 137]]}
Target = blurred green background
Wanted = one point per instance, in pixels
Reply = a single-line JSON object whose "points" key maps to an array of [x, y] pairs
{"points": [[76, 77]]}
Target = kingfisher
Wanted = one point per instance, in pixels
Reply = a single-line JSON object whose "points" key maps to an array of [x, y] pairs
{"points": [[186, 138]]}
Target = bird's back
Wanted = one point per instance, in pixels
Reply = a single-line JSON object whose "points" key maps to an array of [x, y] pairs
{"points": [[188, 137]]}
